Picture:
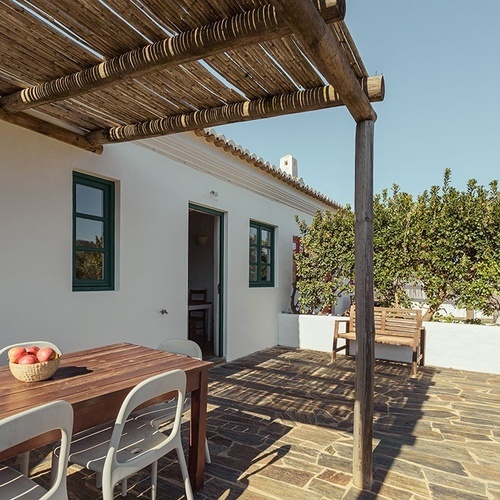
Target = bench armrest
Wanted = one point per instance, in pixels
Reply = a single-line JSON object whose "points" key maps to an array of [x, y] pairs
{"points": [[338, 322]]}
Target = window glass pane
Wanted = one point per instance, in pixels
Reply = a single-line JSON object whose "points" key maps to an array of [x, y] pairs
{"points": [[253, 236], [253, 273], [253, 255], [89, 265], [89, 233], [265, 238], [89, 200], [265, 256], [265, 272]]}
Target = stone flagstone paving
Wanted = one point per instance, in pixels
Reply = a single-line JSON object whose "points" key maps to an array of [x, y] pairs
{"points": [[280, 427]]}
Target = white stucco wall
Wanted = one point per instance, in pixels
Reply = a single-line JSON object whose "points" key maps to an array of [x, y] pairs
{"points": [[153, 193]]}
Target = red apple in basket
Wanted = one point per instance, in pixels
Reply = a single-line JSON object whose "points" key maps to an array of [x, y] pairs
{"points": [[45, 354], [32, 349], [16, 353], [28, 359]]}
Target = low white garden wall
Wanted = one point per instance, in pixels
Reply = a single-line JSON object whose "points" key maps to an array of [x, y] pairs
{"points": [[448, 345]]}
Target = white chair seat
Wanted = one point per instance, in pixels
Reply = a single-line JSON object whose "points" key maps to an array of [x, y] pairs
{"points": [[159, 414], [89, 448], [13, 484]]}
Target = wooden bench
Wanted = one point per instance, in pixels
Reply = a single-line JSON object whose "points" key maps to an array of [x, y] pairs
{"points": [[393, 326]]}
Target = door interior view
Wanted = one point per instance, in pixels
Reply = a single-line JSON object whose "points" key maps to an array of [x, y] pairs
{"points": [[203, 281]]}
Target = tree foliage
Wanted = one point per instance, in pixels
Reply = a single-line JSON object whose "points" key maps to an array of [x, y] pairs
{"points": [[459, 251], [446, 240], [393, 243], [325, 265]]}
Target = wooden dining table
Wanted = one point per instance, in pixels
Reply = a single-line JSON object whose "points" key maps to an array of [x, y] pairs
{"points": [[96, 381]]}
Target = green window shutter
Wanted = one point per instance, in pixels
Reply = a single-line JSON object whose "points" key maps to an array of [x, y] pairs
{"points": [[93, 233], [261, 255]]}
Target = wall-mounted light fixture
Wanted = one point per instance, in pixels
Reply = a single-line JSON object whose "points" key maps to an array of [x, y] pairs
{"points": [[214, 193]]}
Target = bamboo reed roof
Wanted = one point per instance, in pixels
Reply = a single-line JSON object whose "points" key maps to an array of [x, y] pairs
{"points": [[100, 71]]}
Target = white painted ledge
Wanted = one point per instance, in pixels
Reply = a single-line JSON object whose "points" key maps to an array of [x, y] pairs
{"points": [[448, 345]]}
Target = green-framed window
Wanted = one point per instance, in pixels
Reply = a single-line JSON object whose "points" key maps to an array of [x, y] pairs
{"points": [[93, 233], [261, 241]]}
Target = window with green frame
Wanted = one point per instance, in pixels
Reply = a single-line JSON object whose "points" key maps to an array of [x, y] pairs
{"points": [[93, 233], [261, 255]]}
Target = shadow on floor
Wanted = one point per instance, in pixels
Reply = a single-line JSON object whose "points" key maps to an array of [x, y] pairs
{"points": [[280, 427]]}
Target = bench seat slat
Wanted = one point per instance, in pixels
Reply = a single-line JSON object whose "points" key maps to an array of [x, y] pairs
{"points": [[383, 339], [393, 326]]}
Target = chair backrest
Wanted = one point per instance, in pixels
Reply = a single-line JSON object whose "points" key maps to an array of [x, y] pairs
{"points": [[172, 381], [198, 295], [4, 360], [57, 415], [182, 346]]}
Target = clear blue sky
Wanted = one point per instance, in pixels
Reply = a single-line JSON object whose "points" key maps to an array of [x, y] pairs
{"points": [[441, 64]]}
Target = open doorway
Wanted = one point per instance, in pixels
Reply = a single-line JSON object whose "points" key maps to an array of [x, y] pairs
{"points": [[205, 259]]}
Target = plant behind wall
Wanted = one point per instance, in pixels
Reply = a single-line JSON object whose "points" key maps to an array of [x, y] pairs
{"points": [[325, 262]]}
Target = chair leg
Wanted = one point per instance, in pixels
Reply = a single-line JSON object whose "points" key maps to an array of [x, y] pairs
{"points": [[53, 468], [25, 463], [184, 472], [208, 459], [154, 479], [124, 487]]}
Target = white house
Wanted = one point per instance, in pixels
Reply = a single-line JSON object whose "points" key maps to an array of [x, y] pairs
{"points": [[180, 216]]}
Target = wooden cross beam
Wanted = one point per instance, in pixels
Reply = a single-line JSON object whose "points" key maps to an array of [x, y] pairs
{"points": [[296, 102], [256, 26], [323, 48], [54, 131]]}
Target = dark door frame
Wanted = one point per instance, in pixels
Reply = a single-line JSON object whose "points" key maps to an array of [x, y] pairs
{"points": [[220, 277]]}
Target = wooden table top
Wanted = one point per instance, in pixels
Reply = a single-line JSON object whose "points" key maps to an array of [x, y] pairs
{"points": [[84, 377]]}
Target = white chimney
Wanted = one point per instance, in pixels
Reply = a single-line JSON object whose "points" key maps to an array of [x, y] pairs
{"points": [[289, 165]]}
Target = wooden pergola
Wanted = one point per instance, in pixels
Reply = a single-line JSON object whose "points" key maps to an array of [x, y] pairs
{"points": [[97, 72]]}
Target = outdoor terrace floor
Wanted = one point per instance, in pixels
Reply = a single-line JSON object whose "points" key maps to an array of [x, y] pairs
{"points": [[280, 427]]}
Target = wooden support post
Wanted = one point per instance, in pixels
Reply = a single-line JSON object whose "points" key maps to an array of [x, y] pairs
{"points": [[365, 327]]}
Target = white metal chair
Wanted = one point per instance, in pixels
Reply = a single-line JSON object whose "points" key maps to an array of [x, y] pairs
{"points": [[116, 451], [162, 413], [25, 457], [27, 425]]}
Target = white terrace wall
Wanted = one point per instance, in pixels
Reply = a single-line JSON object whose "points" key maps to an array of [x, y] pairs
{"points": [[459, 346], [155, 184]]}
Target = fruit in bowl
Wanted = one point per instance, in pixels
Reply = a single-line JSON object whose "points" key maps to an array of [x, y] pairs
{"points": [[33, 364]]}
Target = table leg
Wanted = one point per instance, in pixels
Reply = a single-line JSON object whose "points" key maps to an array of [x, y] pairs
{"points": [[198, 432]]}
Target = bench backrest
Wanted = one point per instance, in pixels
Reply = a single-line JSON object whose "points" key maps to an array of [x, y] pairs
{"points": [[393, 321]]}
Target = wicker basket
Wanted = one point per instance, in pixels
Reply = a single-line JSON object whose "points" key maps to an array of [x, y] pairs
{"points": [[35, 372]]}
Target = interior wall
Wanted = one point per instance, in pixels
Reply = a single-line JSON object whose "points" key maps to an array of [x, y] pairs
{"points": [[201, 253]]}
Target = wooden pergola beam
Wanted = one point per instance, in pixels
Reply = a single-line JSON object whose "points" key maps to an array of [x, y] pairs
{"points": [[296, 102], [321, 45], [256, 26], [49, 129]]}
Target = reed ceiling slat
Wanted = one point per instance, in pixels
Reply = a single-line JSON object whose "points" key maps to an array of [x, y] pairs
{"points": [[235, 75], [287, 54], [44, 40], [90, 21]]}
